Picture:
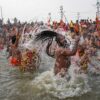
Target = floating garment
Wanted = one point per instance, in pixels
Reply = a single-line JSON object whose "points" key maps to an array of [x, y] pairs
{"points": [[29, 61]]}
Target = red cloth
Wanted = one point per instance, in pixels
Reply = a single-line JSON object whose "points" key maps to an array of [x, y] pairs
{"points": [[13, 61]]}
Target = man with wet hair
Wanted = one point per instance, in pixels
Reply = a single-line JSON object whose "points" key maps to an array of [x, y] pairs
{"points": [[62, 54]]}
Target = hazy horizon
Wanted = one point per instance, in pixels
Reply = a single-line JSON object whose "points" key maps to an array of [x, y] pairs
{"points": [[28, 10]]}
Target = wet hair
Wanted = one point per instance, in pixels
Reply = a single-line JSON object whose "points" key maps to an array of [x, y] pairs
{"points": [[13, 39], [47, 34]]}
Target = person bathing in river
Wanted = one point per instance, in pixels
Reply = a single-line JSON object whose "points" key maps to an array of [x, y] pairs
{"points": [[62, 53], [62, 56]]}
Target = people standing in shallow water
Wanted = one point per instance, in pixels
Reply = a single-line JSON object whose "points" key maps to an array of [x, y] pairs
{"points": [[83, 59], [62, 55]]}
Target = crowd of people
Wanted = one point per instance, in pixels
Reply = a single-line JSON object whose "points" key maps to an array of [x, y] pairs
{"points": [[86, 34]]}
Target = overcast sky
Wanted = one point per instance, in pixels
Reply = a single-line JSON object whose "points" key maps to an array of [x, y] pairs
{"points": [[27, 10]]}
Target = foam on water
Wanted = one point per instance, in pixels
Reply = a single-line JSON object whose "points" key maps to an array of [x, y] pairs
{"points": [[73, 84]]}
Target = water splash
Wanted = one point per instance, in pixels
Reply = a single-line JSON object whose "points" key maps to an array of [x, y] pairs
{"points": [[73, 84]]}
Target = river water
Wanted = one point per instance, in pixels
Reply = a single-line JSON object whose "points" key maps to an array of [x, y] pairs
{"points": [[43, 85]]}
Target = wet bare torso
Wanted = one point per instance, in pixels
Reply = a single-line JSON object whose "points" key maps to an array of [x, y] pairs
{"points": [[62, 61]]}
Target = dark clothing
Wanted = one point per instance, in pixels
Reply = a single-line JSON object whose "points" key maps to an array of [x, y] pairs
{"points": [[13, 39]]}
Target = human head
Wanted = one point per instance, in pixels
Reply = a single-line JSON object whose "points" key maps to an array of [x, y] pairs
{"points": [[60, 39]]}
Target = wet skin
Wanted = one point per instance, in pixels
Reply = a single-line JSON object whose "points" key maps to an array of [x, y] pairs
{"points": [[62, 56]]}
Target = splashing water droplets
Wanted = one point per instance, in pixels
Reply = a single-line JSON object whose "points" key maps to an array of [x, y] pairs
{"points": [[68, 86]]}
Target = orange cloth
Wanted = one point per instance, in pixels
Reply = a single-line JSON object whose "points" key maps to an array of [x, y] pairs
{"points": [[76, 28], [13, 61]]}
